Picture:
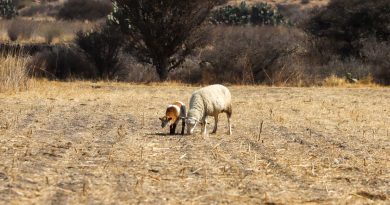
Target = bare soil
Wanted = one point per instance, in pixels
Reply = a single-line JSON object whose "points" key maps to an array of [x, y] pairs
{"points": [[101, 143]]}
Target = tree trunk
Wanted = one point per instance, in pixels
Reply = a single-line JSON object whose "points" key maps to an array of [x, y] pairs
{"points": [[162, 70]]}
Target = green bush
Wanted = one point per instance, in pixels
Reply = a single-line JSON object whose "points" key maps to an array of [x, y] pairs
{"points": [[7, 9], [257, 14]]}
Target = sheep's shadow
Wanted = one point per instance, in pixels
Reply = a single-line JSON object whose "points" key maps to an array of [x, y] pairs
{"points": [[162, 134]]}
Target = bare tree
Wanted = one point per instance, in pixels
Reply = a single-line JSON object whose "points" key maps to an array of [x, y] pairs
{"points": [[162, 32]]}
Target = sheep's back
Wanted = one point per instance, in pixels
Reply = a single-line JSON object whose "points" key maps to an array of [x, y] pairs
{"points": [[216, 98]]}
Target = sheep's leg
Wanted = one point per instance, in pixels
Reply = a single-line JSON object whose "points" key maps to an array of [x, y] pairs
{"points": [[229, 115], [230, 126], [204, 124], [215, 124]]}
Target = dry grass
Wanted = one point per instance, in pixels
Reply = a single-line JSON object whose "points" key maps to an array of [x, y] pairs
{"points": [[335, 81], [42, 31], [101, 143], [13, 73]]}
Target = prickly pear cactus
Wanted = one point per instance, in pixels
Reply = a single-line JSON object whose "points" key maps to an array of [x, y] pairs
{"points": [[257, 14], [7, 9]]}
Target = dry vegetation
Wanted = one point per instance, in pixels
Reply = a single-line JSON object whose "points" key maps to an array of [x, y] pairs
{"points": [[37, 22], [101, 143], [13, 73], [303, 3], [26, 31]]}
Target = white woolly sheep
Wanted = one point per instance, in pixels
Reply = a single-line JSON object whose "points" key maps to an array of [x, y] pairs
{"points": [[208, 101]]}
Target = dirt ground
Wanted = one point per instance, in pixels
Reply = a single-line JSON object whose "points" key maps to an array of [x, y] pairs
{"points": [[101, 143]]}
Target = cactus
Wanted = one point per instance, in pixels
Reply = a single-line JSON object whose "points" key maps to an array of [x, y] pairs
{"points": [[7, 9], [257, 14]]}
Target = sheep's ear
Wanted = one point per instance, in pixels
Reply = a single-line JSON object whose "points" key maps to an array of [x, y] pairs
{"points": [[161, 118]]}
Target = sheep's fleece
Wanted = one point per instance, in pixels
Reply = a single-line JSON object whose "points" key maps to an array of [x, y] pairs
{"points": [[209, 101]]}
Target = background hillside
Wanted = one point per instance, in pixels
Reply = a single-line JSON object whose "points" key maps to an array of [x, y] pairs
{"points": [[290, 42]]}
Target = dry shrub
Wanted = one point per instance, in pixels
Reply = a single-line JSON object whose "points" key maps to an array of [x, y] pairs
{"points": [[39, 31], [102, 46], [294, 13], [85, 10], [368, 80], [52, 32], [13, 72], [190, 71], [351, 40], [343, 68], [19, 28], [321, 62], [334, 81], [337, 81], [64, 30], [135, 71], [377, 55], [245, 55], [305, 1], [40, 10], [61, 63], [346, 24]]}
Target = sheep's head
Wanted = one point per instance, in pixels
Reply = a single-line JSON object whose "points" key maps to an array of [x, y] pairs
{"points": [[164, 121], [191, 122]]}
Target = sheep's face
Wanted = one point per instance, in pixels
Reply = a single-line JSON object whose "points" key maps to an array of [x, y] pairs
{"points": [[164, 121], [191, 124]]}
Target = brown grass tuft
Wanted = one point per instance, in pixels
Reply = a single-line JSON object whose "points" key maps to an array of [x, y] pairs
{"points": [[334, 81], [13, 73]]}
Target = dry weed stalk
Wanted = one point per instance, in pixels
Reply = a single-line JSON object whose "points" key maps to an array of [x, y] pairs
{"points": [[260, 130]]}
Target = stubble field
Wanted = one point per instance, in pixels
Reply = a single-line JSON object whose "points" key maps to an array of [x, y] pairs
{"points": [[101, 143]]}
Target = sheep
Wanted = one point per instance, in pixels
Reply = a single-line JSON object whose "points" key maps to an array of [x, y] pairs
{"points": [[209, 101], [173, 114]]}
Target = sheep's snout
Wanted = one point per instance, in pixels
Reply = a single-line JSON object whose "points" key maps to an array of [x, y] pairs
{"points": [[191, 123]]}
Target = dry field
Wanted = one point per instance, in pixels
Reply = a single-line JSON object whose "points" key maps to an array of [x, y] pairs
{"points": [[101, 143]]}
